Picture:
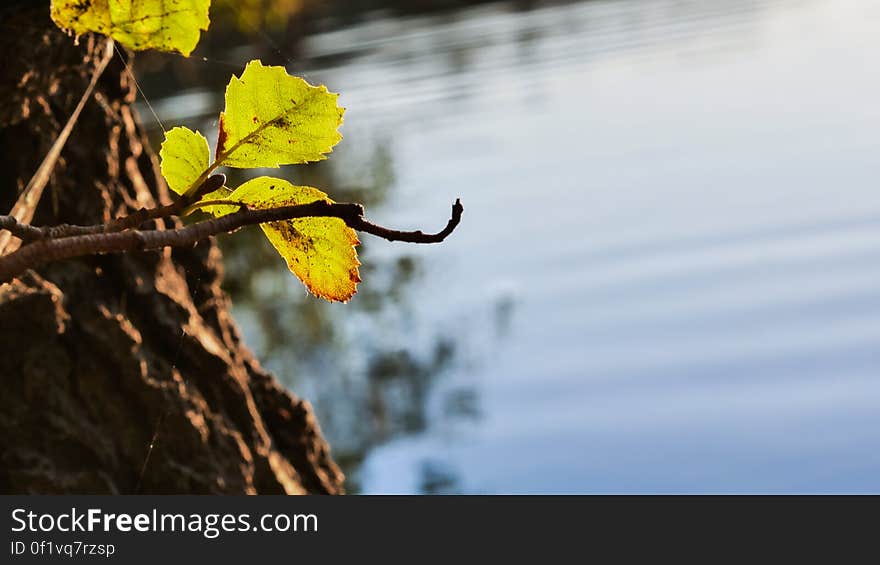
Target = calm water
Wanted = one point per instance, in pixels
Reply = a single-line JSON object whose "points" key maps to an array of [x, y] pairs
{"points": [[668, 274]]}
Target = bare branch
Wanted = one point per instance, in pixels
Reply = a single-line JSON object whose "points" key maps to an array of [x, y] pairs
{"points": [[54, 249], [359, 223]]}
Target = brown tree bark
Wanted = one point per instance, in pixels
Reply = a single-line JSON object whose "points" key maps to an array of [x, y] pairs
{"points": [[96, 354]]}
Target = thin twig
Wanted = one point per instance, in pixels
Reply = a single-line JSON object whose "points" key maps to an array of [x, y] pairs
{"points": [[29, 233], [24, 232], [23, 210], [359, 223], [47, 250]]}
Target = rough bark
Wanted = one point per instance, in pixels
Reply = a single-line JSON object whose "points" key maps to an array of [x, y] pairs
{"points": [[98, 353]]}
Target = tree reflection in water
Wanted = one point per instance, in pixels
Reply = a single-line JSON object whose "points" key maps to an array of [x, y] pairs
{"points": [[368, 383]]}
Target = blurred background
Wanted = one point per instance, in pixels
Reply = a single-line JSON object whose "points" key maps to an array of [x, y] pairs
{"points": [[668, 274]]}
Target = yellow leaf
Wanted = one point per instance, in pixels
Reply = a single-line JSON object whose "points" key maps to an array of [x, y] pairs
{"points": [[273, 119], [167, 25], [185, 156], [320, 251]]}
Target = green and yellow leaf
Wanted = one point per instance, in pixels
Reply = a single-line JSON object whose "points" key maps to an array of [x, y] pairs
{"points": [[167, 25], [273, 118], [185, 155], [320, 251]]}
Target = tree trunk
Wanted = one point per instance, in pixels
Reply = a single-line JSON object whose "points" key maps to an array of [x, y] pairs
{"points": [[104, 356]]}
